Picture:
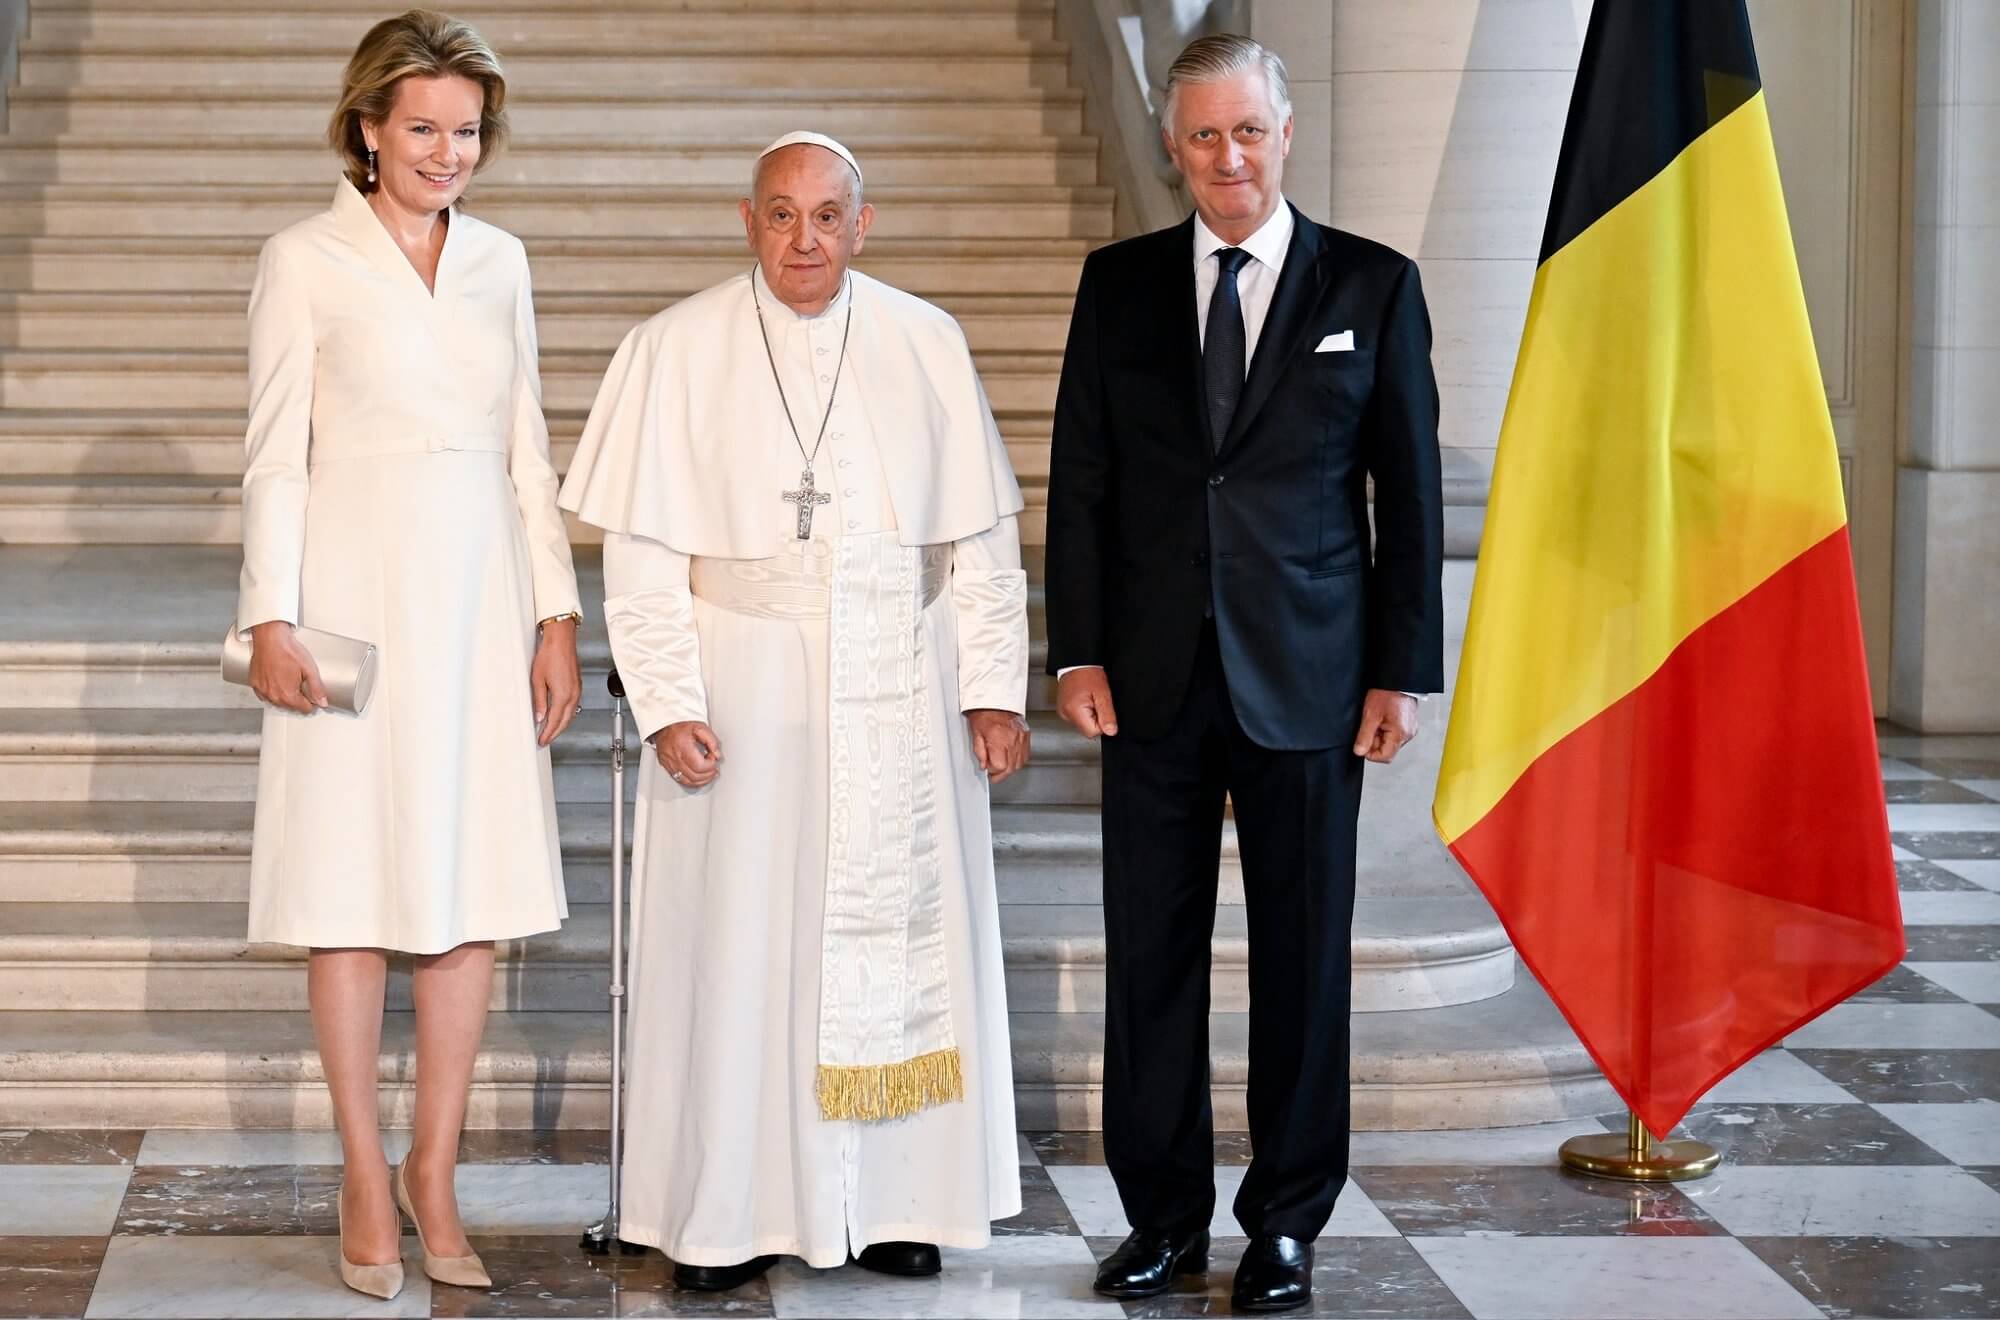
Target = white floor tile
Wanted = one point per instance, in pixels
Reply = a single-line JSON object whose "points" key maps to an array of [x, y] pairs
{"points": [[1899, 1027], [1898, 852], [1026, 1151], [1776, 1077], [1532, 1145], [1895, 769], [60, 1200], [1612, 1278], [1093, 1201], [1943, 817], [1984, 871], [1987, 787], [1978, 982], [1951, 907], [1881, 1201], [1015, 1276], [532, 1198], [201, 1146], [1963, 1133], [230, 1277]]}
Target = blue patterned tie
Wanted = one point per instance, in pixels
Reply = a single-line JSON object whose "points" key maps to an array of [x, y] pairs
{"points": [[1223, 359]]}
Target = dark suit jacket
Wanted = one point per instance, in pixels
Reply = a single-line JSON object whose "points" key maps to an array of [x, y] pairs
{"points": [[1149, 525]]}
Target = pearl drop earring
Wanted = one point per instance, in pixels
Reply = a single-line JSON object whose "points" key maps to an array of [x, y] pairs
{"points": [[371, 165]]}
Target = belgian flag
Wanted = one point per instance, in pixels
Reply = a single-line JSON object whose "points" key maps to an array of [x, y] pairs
{"points": [[1661, 766]]}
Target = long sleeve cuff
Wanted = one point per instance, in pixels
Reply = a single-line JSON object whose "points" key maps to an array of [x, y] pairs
{"points": [[649, 613], [989, 595]]}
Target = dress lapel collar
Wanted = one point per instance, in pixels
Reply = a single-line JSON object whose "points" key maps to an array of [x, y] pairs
{"points": [[358, 221], [1300, 283]]}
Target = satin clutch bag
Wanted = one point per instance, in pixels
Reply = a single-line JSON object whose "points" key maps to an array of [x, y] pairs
{"points": [[346, 666]]}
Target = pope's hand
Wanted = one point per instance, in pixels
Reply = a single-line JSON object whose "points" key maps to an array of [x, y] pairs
{"points": [[1083, 699], [690, 753], [282, 671], [1388, 720], [999, 741]]}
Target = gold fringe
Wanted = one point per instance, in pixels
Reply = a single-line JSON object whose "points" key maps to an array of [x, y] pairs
{"points": [[874, 1092]]}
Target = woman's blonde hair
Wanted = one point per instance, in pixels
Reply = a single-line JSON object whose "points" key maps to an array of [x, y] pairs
{"points": [[420, 44]]}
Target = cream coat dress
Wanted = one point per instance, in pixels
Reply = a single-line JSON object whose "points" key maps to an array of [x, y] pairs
{"points": [[398, 489]]}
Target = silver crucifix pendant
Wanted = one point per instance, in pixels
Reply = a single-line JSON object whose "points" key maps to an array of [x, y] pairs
{"points": [[806, 497]]}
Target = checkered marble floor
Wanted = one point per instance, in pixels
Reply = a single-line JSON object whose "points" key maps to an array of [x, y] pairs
{"points": [[1861, 1179]]}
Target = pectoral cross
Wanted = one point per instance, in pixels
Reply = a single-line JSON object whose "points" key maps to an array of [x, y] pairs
{"points": [[806, 497]]}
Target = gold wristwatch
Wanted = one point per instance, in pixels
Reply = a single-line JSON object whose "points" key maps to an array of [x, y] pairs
{"points": [[577, 615]]}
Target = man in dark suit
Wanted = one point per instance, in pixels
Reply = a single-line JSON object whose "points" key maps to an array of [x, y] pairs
{"points": [[1218, 611]]}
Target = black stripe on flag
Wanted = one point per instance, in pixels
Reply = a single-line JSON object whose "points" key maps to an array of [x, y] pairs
{"points": [[1654, 76]]}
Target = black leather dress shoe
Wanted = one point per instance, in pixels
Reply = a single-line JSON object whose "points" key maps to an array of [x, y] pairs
{"points": [[1148, 1260], [720, 1278], [911, 1260], [1276, 1274]]}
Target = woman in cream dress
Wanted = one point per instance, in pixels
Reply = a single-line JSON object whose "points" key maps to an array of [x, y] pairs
{"points": [[399, 490]]}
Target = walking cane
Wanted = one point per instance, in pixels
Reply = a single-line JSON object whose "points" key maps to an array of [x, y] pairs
{"points": [[597, 1239]]}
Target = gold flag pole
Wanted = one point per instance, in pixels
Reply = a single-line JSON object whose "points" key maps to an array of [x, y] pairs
{"points": [[1637, 1157]]}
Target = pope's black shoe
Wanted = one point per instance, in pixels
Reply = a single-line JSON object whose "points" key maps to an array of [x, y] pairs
{"points": [[911, 1260], [720, 1278], [1276, 1274], [1148, 1260]]}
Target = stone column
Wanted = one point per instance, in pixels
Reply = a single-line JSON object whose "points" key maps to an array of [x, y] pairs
{"points": [[1943, 674]]}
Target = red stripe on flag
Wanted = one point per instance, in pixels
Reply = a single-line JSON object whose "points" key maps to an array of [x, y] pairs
{"points": [[1705, 866]]}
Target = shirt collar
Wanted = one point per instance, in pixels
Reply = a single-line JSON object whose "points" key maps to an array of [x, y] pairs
{"points": [[1267, 245], [775, 309]]}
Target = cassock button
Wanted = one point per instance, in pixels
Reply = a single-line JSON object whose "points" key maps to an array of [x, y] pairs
{"points": [[849, 492], [853, 523], [843, 462]]}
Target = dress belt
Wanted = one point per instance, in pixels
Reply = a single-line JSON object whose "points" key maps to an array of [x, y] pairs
{"points": [[794, 584]]}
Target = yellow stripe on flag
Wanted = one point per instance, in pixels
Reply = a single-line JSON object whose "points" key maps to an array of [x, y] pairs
{"points": [[1666, 448]]}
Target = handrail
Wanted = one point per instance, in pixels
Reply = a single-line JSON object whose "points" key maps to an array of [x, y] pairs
{"points": [[1115, 99]]}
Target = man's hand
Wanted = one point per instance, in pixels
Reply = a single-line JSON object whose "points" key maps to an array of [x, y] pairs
{"points": [[1083, 699], [282, 671], [1388, 720], [553, 680], [999, 741], [690, 753]]}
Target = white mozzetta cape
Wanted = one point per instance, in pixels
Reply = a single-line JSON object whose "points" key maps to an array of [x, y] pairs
{"points": [[675, 448]]}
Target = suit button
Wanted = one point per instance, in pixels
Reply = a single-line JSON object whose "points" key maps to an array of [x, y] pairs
{"points": [[1215, 478], [1200, 557]]}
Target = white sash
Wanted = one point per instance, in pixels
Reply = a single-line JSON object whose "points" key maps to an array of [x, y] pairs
{"points": [[885, 1041]]}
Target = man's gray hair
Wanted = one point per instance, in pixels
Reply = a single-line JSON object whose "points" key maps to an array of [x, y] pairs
{"points": [[1225, 55]]}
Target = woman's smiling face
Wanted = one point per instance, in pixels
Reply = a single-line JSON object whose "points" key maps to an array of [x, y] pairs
{"points": [[426, 149]]}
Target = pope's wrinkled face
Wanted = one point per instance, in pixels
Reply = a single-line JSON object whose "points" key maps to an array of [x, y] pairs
{"points": [[805, 222], [1230, 144], [427, 147]]}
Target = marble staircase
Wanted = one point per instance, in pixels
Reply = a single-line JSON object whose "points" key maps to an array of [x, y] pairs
{"points": [[127, 994]]}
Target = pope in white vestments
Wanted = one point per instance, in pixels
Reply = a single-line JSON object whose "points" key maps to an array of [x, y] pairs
{"points": [[816, 604]]}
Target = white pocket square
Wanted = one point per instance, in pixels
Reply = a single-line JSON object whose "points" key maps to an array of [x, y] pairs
{"points": [[1340, 343]]}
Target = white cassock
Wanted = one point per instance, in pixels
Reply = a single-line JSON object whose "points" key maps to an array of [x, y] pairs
{"points": [[817, 932], [398, 490]]}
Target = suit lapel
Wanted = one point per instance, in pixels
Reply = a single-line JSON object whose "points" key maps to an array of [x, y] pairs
{"points": [[1300, 283], [1182, 328]]}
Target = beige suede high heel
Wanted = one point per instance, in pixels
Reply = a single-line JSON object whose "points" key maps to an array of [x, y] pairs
{"points": [[383, 1281], [466, 1271]]}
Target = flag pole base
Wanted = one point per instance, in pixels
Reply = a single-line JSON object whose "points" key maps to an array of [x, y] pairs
{"points": [[1637, 1157]]}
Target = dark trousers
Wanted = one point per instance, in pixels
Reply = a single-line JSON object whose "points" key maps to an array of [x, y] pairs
{"points": [[1295, 814]]}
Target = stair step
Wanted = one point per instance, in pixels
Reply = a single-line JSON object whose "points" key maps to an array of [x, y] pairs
{"points": [[626, 224], [112, 956], [718, 114], [556, 164], [1017, 384], [798, 63], [664, 268], [66, 509], [107, 754], [634, 32], [105, 852], [566, 323], [1502, 1061]]}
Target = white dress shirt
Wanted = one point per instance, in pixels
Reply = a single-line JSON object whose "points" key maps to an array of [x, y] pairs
{"points": [[1255, 282]]}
